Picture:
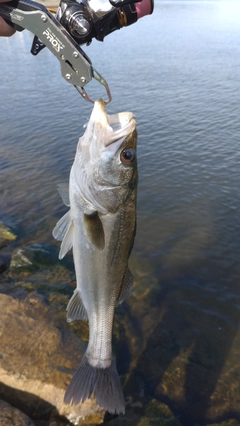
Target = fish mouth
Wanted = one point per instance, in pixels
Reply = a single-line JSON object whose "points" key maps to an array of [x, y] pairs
{"points": [[115, 127]]}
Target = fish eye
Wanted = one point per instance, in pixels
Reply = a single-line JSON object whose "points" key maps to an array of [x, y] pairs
{"points": [[127, 155]]}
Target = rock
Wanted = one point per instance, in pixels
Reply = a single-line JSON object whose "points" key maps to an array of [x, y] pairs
{"points": [[188, 356], [159, 357], [150, 414], [10, 416], [6, 236], [231, 422], [32, 258], [158, 413], [38, 357], [4, 263]]}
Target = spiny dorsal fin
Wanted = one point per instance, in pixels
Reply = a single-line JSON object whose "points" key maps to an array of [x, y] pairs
{"points": [[126, 287], [63, 231], [94, 230], [63, 189], [75, 308]]}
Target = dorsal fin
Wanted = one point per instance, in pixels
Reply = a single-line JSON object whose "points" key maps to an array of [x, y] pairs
{"points": [[126, 287], [94, 230]]}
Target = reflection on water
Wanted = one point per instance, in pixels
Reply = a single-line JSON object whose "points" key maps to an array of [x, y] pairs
{"points": [[180, 77]]}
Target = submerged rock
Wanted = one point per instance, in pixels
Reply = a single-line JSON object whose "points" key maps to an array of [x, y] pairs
{"points": [[157, 412], [189, 356], [11, 416], [32, 258], [166, 350], [153, 413], [6, 236], [37, 360], [4, 263], [231, 422]]}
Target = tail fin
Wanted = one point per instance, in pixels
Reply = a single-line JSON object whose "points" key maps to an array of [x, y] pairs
{"points": [[103, 383]]}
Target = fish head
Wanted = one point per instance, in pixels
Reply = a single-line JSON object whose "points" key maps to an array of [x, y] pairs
{"points": [[107, 158]]}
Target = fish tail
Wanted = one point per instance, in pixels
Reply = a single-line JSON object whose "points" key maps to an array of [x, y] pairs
{"points": [[103, 383]]}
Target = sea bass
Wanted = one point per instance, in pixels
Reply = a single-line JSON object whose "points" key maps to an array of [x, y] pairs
{"points": [[100, 228]]}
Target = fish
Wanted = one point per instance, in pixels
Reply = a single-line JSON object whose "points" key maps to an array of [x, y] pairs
{"points": [[100, 227]]}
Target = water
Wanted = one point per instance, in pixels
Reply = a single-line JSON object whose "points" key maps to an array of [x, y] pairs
{"points": [[178, 71]]}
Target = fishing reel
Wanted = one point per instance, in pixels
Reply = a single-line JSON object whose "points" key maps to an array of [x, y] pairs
{"points": [[88, 19]]}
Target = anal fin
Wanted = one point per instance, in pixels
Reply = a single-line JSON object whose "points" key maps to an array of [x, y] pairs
{"points": [[75, 308]]}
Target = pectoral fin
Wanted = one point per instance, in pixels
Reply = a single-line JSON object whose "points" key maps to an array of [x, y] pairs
{"points": [[63, 231], [94, 230], [75, 308], [126, 287]]}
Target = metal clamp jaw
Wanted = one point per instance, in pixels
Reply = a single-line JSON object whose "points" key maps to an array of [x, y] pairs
{"points": [[76, 67]]}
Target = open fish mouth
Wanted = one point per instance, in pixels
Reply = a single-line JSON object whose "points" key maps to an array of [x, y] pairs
{"points": [[114, 126], [122, 125]]}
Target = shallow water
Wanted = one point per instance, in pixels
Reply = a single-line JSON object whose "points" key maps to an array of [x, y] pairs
{"points": [[178, 71]]}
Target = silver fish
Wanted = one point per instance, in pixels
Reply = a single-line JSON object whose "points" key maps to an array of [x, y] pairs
{"points": [[100, 228]]}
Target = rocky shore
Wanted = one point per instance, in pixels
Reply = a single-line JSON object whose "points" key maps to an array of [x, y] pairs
{"points": [[165, 382]]}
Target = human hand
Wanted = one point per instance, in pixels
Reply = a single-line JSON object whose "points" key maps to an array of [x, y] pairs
{"points": [[5, 29]]}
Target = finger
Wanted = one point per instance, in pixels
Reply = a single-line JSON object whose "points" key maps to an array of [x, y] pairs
{"points": [[5, 29]]}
